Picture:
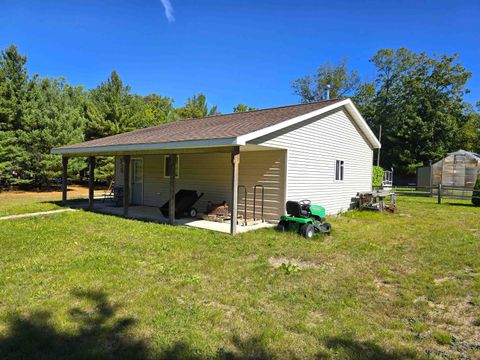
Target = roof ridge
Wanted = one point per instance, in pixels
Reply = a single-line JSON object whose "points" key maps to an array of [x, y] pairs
{"points": [[270, 108], [228, 114]]}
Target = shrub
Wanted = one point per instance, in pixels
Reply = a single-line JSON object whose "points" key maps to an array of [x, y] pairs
{"points": [[476, 193], [377, 176]]}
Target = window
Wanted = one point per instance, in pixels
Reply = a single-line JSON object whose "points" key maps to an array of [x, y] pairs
{"points": [[339, 165], [166, 167], [137, 171]]}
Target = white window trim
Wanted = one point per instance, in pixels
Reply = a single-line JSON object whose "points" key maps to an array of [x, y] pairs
{"points": [[177, 176]]}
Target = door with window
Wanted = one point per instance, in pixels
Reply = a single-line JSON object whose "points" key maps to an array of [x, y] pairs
{"points": [[137, 181]]}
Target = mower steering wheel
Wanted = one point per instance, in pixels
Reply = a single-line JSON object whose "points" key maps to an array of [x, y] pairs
{"points": [[305, 202]]}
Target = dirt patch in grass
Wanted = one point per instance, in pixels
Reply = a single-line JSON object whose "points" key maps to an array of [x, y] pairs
{"points": [[277, 262], [73, 191], [385, 289], [459, 320]]}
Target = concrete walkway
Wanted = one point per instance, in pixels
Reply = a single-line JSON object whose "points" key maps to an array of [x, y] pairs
{"points": [[10, 217]]}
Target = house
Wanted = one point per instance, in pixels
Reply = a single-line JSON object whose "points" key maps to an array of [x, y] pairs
{"points": [[320, 151]]}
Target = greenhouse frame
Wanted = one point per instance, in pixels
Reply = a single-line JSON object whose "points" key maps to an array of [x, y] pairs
{"points": [[458, 169]]}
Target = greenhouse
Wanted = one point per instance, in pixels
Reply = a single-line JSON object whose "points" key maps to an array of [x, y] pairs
{"points": [[458, 169]]}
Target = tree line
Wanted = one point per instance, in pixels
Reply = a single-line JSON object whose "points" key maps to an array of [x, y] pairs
{"points": [[39, 113], [417, 99]]}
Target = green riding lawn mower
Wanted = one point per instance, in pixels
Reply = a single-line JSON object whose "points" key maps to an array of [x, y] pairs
{"points": [[304, 218]]}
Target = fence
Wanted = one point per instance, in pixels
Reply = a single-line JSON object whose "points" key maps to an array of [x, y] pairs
{"points": [[440, 192]]}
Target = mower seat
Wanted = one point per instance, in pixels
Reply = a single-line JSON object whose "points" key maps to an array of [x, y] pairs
{"points": [[295, 209]]}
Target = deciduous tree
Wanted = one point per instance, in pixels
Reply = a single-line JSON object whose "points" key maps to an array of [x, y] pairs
{"points": [[342, 81]]}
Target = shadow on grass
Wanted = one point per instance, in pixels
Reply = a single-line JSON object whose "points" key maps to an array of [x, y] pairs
{"points": [[348, 348], [101, 334], [463, 205], [73, 203]]}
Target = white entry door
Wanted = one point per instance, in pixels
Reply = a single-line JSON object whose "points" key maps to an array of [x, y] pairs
{"points": [[137, 181]]}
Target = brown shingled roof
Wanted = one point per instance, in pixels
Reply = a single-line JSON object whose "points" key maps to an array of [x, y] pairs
{"points": [[211, 127]]}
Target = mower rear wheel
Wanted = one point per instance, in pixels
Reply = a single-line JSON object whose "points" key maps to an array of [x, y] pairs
{"points": [[307, 231], [282, 226]]}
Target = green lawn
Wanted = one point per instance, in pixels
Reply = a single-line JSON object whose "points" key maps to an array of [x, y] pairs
{"points": [[13, 203], [84, 285], [18, 205]]}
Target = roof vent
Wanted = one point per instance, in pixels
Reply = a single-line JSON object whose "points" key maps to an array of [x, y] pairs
{"points": [[327, 92]]}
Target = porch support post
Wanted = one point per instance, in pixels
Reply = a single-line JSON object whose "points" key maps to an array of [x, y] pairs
{"points": [[234, 202], [64, 179], [126, 184], [171, 208], [91, 181]]}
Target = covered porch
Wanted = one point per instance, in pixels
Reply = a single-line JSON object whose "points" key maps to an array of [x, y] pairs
{"points": [[153, 214], [250, 178]]}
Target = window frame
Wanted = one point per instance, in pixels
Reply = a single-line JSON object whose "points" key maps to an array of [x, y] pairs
{"points": [[339, 170], [177, 167]]}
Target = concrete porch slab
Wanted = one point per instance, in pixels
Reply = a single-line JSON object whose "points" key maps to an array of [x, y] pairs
{"points": [[150, 213]]}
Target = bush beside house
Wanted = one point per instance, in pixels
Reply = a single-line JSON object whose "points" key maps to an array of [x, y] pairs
{"points": [[377, 176]]}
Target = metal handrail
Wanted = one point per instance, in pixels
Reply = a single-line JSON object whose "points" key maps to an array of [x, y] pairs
{"points": [[255, 201]]}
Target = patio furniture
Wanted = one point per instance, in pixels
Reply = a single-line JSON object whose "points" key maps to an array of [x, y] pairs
{"points": [[109, 193], [376, 200]]}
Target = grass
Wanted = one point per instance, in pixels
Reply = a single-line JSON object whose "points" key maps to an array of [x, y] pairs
{"points": [[442, 338], [18, 202], [84, 285]]}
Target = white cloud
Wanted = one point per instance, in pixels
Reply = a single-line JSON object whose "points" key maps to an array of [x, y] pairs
{"points": [[168, 10]]}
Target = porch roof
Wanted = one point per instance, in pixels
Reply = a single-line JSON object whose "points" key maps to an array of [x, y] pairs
{"points": [[214, 131]]}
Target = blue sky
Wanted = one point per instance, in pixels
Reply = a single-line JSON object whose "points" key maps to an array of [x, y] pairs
{"points": [[233, 51]]}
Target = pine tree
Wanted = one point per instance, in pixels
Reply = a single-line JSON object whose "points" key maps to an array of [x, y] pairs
{"points": [[242, 108], [13, 88], [196, 107], [53, 116]]}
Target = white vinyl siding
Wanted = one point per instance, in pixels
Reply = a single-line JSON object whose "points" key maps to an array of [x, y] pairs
{"points": [[313, 147], [211, 173]]}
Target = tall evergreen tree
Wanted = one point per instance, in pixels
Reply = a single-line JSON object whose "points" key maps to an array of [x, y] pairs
{"points": [[242, 108], [52, 116], [112, 109], [158, 109], [196, 107], [35, 116], [14, 85]]}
